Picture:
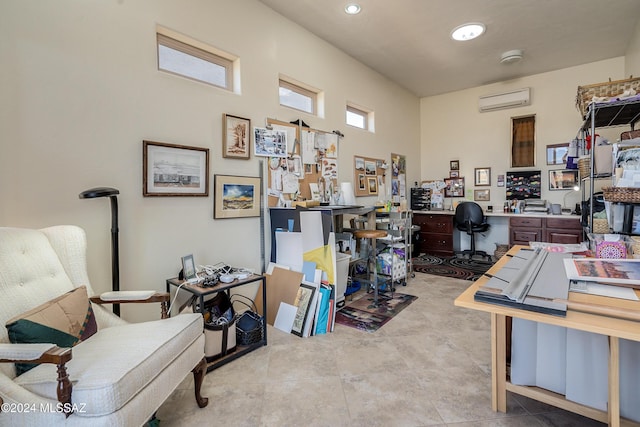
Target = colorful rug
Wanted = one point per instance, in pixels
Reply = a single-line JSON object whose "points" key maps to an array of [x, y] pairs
{"points": [[458, 268], [360, 313]]}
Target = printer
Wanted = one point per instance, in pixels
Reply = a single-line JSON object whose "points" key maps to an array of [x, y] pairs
{"points": [[535, 206]]}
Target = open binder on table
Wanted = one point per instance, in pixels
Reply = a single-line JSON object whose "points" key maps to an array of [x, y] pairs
{"points": [[531, 280]]}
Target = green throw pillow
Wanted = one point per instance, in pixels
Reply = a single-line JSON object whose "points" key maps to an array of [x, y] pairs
{"points": [[63, 321]]}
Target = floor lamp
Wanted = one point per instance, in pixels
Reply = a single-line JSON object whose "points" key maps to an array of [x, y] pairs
{"points": [[112, 194]]}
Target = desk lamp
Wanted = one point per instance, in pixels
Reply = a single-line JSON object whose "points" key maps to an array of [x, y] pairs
{"points": [[112, 194], [564, 200]]}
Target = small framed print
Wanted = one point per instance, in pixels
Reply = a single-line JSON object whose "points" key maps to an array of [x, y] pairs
{"points": [[453, 174], [482, 177], [481, 195], [189, 273], [373, 185], [303, 301], [454, 165], [236, 137]]}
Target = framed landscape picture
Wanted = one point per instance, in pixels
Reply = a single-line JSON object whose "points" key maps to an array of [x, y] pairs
{"points": [[481, 195], [174, 170], [236, 196]]}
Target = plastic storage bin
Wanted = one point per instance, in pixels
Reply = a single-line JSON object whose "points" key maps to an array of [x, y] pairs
{"points": [[342, 274]]}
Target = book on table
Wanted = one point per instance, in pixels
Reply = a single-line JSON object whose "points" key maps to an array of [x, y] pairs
{"points": [[620, 272]]}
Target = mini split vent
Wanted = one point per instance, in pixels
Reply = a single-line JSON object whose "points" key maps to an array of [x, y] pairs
{"points": [[500, 101]]}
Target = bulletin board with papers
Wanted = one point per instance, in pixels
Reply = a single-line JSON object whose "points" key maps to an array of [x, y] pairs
{"points": [[310, 170]]}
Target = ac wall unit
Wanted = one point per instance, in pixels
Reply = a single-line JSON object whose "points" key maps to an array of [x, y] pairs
{"points": [[499, 101]]}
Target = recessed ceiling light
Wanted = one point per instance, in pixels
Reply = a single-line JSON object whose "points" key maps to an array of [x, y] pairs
{"points": [[511, 56], [467, 31], [352, 8]]}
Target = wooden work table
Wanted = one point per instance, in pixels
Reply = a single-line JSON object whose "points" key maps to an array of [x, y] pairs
{"points": [[601, 315]]}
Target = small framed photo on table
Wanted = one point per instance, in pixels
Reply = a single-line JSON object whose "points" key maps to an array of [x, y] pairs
{"points": [[189, 273]]}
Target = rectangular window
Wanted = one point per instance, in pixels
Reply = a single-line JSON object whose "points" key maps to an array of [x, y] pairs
{"points": [[523, 149], [295, 96], [356, 117], [189, 58]]}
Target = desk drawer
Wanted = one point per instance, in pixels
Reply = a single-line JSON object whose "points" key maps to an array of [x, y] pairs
{"points": [[524, 236], [437, 224], [431, 243], [523, 221], [568, 223]]}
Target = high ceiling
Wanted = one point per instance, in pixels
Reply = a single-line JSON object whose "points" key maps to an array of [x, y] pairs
{"points": [[409, 41]]}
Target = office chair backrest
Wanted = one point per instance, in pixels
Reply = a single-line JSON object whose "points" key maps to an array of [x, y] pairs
{"points": [[469, 212]]}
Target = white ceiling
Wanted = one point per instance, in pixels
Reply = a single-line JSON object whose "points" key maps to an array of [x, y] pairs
{"points": [[408, 40]]}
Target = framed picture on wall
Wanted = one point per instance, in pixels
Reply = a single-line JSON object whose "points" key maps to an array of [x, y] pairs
{"points": [[236, 137], [482, 177], [174, 170], [454, 165], [557, 153], [454, 187], [563, 179], [236, 197], [481, 195]]}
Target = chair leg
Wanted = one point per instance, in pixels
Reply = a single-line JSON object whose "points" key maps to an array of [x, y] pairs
{"points": [[198, 376]]}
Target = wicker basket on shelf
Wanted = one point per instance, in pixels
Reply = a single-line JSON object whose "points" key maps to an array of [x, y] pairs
{"points": [[621, 194], [584, 167], [600, 226], [607, 89]]}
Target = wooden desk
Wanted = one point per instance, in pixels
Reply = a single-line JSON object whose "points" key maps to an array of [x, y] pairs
{"points": [[580, 317]]}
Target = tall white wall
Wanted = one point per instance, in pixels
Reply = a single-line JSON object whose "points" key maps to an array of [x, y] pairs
{"points": [[632, 56], [81, 91], [452, 128]]}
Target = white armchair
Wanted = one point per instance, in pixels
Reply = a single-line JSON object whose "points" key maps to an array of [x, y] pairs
{"points": [[118, 376]]}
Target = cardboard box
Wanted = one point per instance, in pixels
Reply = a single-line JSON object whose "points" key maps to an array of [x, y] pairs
{"points": [[305, 203]]}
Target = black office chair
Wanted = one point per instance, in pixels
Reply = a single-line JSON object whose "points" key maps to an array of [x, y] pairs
{"points": [[470, 219]]}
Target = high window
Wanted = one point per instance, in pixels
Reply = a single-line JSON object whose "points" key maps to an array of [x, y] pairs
{"points": [[356, 117], [359, 117], [293, 95], [190, 58]]}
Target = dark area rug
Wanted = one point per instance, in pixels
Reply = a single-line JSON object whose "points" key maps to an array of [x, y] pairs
{"points": [[458, 268], [361, 314]]}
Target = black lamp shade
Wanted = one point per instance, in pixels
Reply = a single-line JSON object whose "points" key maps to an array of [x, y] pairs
{"points": [[98, 192]]}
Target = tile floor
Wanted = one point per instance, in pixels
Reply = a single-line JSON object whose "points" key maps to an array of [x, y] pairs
{"points": [[429, 366]]}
